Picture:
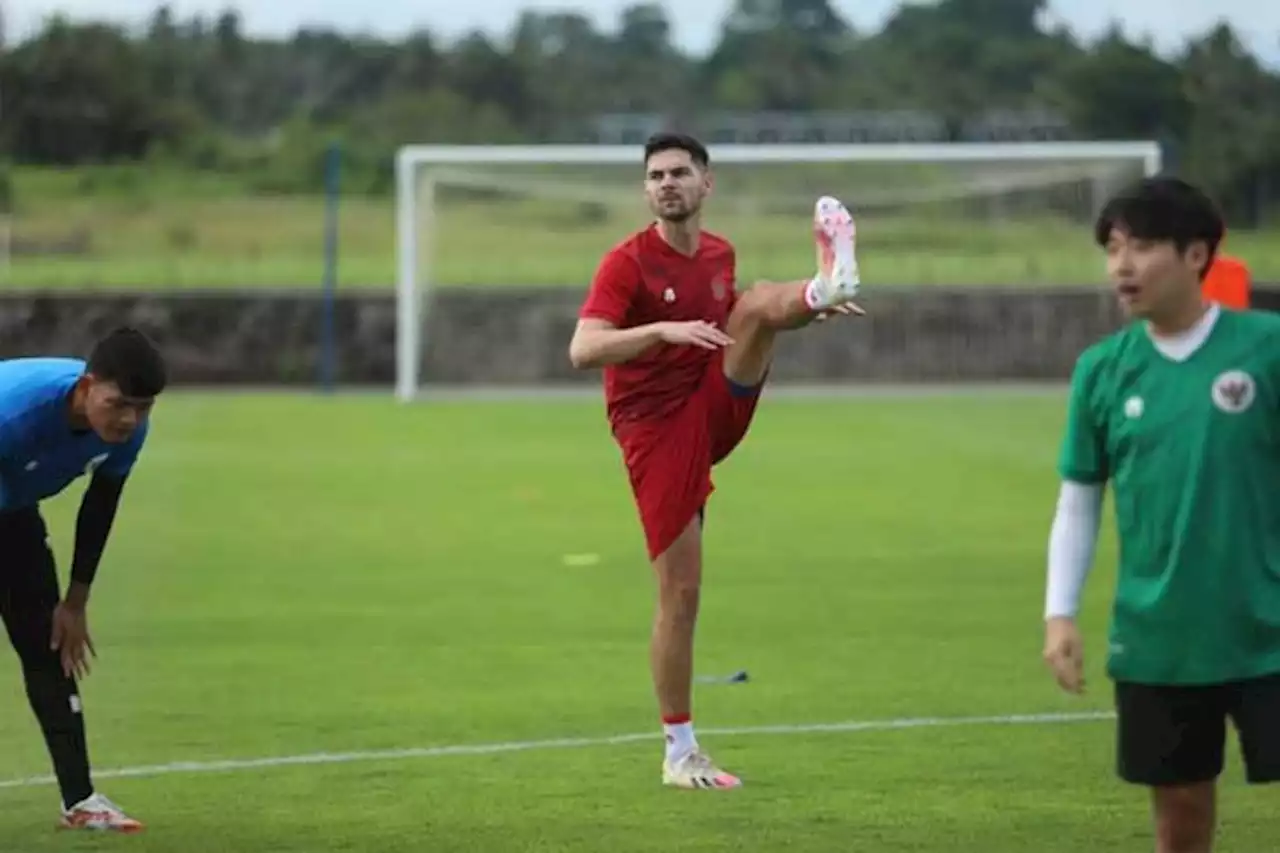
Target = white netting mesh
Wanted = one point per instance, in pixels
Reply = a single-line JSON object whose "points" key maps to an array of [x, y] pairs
{"points": [[920, 224]]}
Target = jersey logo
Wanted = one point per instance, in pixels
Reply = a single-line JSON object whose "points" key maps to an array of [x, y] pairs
{"points": [[668, 296], [1133, 408], [95, 462], [32, 465], [1233, 391]]}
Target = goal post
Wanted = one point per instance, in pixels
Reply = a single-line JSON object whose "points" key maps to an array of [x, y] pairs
{"points": [[577, 188]]}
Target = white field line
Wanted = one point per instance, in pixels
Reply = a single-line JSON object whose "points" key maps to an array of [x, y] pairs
{"points": [[231, 765]]}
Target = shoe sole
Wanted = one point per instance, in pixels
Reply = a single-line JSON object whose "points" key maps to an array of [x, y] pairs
{"points": [[672, 783], [119, 830], [703, 787], [836, 236]]}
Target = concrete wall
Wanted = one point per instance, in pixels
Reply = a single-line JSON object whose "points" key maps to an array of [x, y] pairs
{"points": [[519, 336]]}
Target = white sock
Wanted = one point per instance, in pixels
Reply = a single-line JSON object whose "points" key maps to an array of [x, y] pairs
{"points": [[813, 296], [680, 740]]}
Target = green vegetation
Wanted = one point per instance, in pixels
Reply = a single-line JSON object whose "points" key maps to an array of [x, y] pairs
{"points": [[186, 230]]}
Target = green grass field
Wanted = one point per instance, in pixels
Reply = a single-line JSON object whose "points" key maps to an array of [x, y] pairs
{"points": [[294, 575], [183, 231]]}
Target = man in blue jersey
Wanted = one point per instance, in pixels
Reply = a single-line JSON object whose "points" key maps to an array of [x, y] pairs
{"points": [[61, 418]]}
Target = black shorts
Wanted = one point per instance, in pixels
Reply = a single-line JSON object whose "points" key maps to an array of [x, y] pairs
{"points": [[1172, 735]]}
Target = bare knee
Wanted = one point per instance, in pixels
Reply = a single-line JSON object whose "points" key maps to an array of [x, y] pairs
{"points": [[678, 602], [679, 587], [679, 574], [765, 305], [1184, 817]]}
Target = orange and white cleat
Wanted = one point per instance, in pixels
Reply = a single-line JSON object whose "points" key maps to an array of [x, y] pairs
{"points": [[98, 814], [697, 771], [835, 234]]}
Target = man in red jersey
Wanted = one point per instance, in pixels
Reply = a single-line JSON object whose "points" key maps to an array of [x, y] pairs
{"points": [[685, 357]]}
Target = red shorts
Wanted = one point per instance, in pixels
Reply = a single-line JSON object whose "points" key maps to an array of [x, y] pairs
{"points": [[669, 460]]}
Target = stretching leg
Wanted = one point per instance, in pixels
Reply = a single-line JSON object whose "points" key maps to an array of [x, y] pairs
{"points": [[767, 309]]}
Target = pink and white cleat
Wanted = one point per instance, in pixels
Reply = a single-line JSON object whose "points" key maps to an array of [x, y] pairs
{"points": [[98, 814], [697, 771], [834, 234]]}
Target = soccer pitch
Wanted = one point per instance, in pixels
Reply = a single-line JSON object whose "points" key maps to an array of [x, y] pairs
{"points": [[297, 576]]}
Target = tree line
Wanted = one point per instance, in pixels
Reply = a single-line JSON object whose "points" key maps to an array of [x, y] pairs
{"points": [[201, 93]]}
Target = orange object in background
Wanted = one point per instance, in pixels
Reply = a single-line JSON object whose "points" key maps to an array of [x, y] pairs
{"points": [[1228, 283]]}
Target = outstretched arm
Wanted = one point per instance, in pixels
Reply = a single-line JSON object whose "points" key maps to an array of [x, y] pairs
{"points": [[599, 339], [598, 342]]}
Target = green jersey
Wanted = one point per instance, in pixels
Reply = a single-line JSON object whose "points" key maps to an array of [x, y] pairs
{"points": [[1192, 451]]}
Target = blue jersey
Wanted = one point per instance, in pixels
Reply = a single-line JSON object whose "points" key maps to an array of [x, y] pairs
{"points": [[40, 453]]}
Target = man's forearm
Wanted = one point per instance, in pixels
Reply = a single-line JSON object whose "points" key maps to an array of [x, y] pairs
{"points": [[93, 525], [1072, 542], [77, 594], [600, 347]]}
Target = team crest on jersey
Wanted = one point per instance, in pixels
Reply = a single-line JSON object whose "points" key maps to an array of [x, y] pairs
{"points": [[1133, 408], [668, 296], [1233, 391]]}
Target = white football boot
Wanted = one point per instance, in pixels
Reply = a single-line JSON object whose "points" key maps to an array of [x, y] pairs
{"points": [[97, 813], [835, 235], [695, 770]]}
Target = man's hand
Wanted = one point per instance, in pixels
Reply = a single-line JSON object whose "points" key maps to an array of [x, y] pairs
{"points": [[1064, 653], [71, 636], [698, 333], [844, 309]]}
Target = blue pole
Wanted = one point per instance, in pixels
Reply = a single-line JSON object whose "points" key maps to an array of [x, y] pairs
{"points": [[328, 345]]}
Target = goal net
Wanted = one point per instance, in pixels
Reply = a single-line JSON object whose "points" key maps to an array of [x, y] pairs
{"points": [[928, 214]]}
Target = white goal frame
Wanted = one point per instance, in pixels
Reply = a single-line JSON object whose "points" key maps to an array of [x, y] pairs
{"points": [[415, 200]]}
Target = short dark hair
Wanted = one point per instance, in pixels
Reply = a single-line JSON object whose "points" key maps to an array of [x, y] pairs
{"points": [[129, 359], [1166, 209], [667, 141]]}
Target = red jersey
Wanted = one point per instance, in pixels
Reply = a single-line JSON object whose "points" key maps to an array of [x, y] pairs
{"points": [[644, 280]]}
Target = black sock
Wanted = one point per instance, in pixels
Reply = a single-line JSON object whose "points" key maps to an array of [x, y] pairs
{"points": [[56, 703]]}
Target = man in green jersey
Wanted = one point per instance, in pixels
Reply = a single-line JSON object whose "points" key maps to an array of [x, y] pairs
{"points": [[1180, 412]]}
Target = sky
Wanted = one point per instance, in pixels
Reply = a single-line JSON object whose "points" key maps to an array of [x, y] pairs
{"points": [[696, 22]]}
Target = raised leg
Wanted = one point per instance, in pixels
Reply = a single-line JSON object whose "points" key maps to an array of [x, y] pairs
{"points": [[767, 309], [755, 322]]}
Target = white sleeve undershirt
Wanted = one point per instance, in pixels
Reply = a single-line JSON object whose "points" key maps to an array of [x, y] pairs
{"points": [[1072, 541]]}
